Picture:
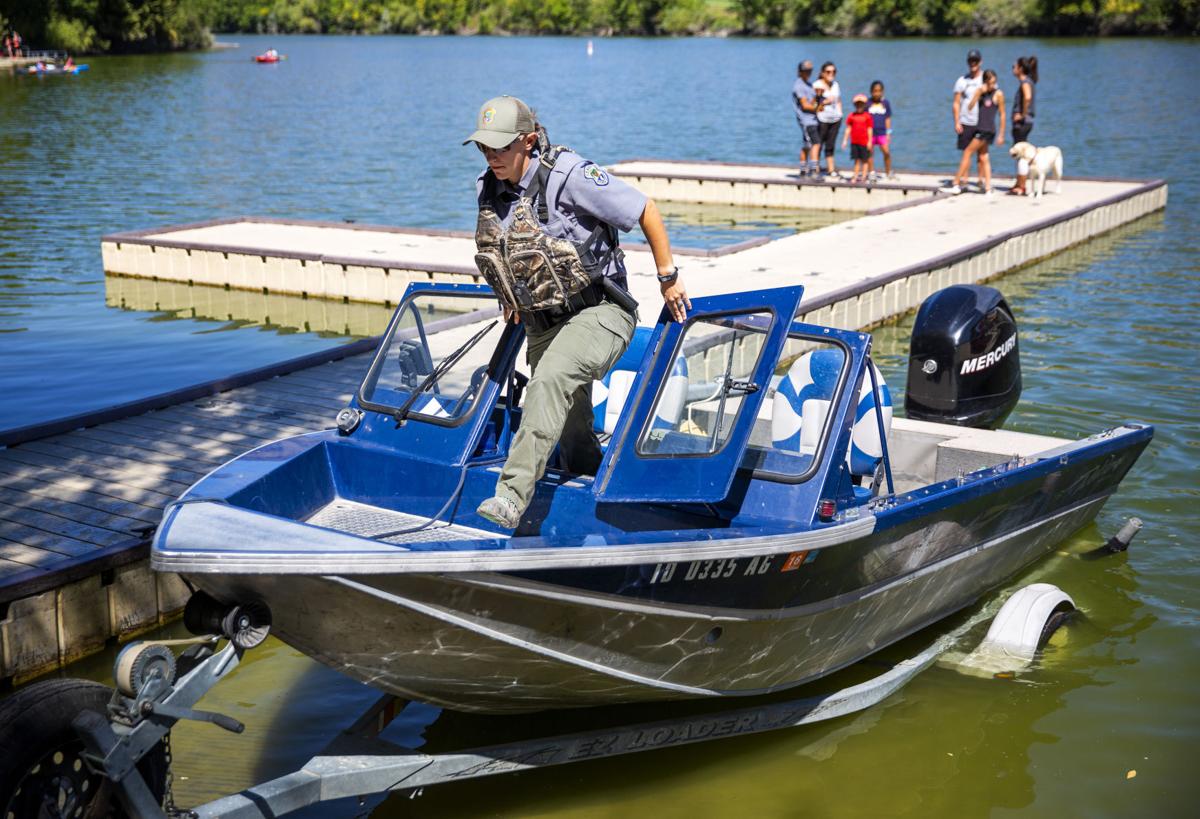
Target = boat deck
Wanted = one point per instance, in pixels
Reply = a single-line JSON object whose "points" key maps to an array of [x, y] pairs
{"points": [[363, 520]]}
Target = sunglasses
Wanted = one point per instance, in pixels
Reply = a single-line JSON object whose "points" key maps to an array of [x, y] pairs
{"points": [[829, 71], [486, 151]]}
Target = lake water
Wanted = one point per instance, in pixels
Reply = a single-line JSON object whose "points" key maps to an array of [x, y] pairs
{"points": [[369, 129]]}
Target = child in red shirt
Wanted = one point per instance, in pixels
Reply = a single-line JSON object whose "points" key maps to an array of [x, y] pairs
{"points": [[858, 134]]}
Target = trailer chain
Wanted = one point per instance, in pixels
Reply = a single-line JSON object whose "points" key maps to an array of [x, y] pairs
{"points": [[169, 807]]}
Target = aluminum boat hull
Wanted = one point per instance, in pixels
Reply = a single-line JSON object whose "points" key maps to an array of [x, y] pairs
{"points": [[505, 642]]}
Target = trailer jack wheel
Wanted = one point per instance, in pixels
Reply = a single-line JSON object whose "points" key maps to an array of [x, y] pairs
{"points": [[42, 770]]}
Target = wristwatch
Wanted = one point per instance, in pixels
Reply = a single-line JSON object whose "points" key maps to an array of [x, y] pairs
{"points": [[668, 278]]}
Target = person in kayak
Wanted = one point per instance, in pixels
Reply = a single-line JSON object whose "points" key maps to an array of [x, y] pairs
{"points": [[547, 241]]}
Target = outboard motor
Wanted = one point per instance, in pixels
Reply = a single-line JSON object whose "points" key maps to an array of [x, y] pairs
{"points": [[964, 367]]}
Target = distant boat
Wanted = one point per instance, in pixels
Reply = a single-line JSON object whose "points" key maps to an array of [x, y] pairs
{"points": [[590, 48], [44, 69], [269, 56]]}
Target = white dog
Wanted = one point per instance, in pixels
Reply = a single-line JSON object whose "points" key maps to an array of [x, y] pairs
{"points": [[1036, 163]]}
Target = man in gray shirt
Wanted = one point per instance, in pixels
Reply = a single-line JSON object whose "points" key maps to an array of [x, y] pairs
{"points": [[965, 117], [805, 104]]}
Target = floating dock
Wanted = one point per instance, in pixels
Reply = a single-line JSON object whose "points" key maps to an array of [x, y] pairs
{"points": [[856, 273], [79, 497]]}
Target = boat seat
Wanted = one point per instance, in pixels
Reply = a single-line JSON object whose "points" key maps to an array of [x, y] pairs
{"points": [[609, 394], [802, 402]]}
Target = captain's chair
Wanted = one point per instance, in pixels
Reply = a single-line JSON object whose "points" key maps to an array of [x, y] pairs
{"points": [[610, 393], [802, 402]]}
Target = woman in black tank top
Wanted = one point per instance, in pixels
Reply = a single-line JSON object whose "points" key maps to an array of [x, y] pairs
{"points": [[990, 100], [1025, 69]]}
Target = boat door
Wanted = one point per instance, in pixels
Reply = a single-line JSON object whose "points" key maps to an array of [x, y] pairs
{"points": [[696, 399]]}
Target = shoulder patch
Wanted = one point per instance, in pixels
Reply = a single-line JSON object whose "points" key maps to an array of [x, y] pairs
{"points": [[598, 175]]}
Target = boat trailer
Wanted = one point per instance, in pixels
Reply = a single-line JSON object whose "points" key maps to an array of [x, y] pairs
{"points": [[149, 700]]}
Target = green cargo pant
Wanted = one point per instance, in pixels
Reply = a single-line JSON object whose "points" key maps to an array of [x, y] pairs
{"points": [[564, 360]]}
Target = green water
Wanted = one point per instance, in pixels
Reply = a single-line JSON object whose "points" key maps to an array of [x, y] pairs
{"points": [[1107, 335]]}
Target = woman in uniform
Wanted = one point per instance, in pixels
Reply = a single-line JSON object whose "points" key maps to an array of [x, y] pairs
{"points": [[547, 244]]}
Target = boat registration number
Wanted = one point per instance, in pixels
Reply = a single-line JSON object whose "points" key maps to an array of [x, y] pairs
{"points": [[711, 569]]}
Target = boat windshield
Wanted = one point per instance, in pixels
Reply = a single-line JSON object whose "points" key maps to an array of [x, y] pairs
{"points": [[428, 368], [701, 400]]}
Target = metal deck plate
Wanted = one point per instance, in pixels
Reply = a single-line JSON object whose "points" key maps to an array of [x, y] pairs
{"points": [[371, 521]]}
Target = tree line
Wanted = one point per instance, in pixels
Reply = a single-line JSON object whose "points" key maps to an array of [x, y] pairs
{"points": [[161, 25]]}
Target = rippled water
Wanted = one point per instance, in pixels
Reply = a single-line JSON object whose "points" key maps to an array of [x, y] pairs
{"points": [[369, 129]]}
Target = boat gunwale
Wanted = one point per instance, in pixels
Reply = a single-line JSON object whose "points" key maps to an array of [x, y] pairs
{"points": [[387, 558]]}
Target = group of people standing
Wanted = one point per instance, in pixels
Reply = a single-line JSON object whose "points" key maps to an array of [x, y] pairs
{"points": [[12, 45], [818, 107], [978, 108]]}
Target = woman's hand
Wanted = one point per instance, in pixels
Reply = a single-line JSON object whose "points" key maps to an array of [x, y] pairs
{"points": [[676, 299]]}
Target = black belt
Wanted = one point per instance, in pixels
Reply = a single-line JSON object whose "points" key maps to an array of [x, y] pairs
{"points": [[542, 320]]}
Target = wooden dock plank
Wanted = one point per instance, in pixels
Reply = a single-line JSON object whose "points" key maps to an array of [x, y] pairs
{"points": [[122, 433], [10, 567], [170, 453], [227, 429], [28, 556], [191, 427], [216, 428], [33, 537], [91, 500], [81, 513], [149, 477], [70, 482], [57, 525], [83, 459]]}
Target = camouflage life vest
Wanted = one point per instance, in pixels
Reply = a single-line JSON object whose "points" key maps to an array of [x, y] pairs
{"points": [[529, 270]]}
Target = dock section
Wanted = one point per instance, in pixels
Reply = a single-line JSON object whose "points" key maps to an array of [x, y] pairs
{"points": [[856, 273], [79, 498]]}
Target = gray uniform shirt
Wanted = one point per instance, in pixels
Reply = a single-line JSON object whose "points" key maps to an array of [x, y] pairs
{"points": [[579, 195], [803, 90]]}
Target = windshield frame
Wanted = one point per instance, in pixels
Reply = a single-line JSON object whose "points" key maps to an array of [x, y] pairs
{"points": [[422, 331]]}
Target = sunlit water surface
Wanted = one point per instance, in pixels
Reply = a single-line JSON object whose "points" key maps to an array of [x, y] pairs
{"points": [[1105, 724]]}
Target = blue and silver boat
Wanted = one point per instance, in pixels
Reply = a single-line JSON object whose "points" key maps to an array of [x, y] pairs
{"points": [[759, 519]]}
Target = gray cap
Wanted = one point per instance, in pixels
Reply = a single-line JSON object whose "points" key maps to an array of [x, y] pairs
{"points": [[805, 65], [500, 121], [973, 56]]}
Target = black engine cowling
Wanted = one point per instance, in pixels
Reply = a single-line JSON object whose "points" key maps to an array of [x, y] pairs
{"points": [[964, 366]]}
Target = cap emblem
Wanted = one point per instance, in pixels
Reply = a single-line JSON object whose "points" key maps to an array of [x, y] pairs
{"points": [[488, 116]]}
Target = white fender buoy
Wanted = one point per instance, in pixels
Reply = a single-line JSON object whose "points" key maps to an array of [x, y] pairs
{"points": [[1016, 631]]}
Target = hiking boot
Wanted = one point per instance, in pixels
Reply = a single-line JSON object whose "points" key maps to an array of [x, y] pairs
{"points": [[500, 511]]}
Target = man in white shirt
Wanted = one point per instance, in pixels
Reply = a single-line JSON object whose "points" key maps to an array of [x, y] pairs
{"points": [[966, 117]]}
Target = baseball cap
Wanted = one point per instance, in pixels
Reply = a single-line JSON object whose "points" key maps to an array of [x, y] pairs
{"points": [[973, 56], [500, 121], [860, 98], [806, 65]]}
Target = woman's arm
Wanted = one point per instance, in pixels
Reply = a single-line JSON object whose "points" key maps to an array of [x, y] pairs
{"points": [[674, 295], [975, 97], [1000, 130]]}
